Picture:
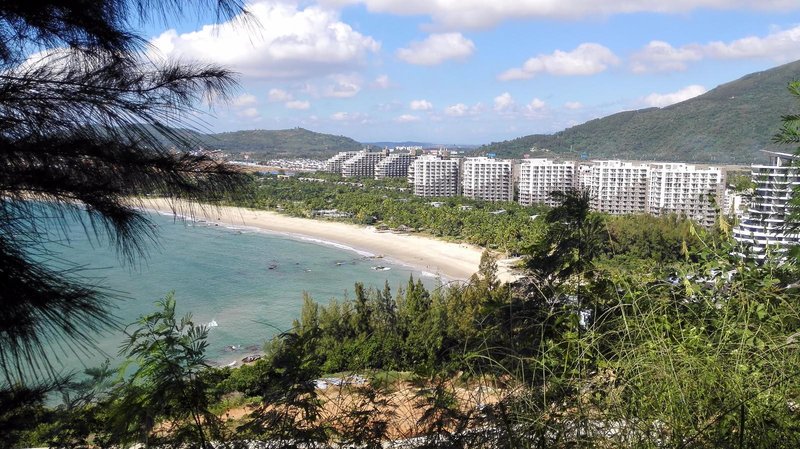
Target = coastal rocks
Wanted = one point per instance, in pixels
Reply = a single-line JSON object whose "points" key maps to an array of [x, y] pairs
{"points": [[251, 358]]}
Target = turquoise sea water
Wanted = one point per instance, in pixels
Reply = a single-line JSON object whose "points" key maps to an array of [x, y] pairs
{"points": [[247, 284]]}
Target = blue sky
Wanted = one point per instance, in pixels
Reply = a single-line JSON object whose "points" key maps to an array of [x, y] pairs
{"points": [[476, 71]]}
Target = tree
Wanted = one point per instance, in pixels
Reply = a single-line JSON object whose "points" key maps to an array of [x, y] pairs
{"points": [[167, 387], [86, 123]]}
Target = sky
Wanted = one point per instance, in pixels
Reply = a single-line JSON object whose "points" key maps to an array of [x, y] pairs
{"points": [[475, 71]]}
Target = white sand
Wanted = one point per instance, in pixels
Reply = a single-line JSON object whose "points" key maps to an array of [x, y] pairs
{"points": [[453, 261]]}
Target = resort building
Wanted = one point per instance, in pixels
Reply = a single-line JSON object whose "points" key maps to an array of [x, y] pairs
{"points": [[618, 187], [539, 177], [764, 224], [434, 176], [487, 179], [395, 165], [362, 164], [685, 190], [334, 164]]}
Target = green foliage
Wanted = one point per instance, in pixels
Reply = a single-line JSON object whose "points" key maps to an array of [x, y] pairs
{"points": [[288, 143], [167, 386], [729, 124], [389, 203]]}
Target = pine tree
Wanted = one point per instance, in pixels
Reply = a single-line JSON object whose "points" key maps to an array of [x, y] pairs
{"points": [[87, 123]]}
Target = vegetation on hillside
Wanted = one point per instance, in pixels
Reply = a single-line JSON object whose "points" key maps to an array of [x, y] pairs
{"points": [[285, 143], [727, 125], [631, 343]]}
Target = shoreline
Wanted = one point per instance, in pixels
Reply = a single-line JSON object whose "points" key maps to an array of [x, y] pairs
{"points": [[448, 260]]}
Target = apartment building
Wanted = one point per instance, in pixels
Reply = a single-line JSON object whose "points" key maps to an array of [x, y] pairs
{"points": [[686, 190], [434, 176], [334, 164], [617, 187], [395, 165], [539, 177], [362, 164], [764, 223], [487, 179]]}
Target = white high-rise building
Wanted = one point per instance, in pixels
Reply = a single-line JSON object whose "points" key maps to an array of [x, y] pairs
{"points": [[395, 165], [618, 187], [764, 224], [334, 164], [539, 177], [434, 176], [487, 179], [685, 190], [362, 164]]}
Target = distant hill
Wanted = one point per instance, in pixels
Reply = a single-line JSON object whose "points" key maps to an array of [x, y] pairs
{"points": [[295, 142], [729, 124]]}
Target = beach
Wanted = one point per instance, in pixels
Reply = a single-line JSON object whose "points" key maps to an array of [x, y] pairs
{"points": [[452, 261]]}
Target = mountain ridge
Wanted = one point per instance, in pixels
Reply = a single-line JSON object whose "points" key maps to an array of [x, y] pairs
{"points": [[729, 124]]}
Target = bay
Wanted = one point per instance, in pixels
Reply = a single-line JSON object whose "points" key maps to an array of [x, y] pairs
{"points": [[246, 285]]}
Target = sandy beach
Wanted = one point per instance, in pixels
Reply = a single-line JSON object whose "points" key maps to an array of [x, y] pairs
{"points": [[452, 261]]}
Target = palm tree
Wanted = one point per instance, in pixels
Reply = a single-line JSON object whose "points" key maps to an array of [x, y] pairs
{"points": [[86, 123]]}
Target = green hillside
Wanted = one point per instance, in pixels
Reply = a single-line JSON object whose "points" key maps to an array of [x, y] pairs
{"points": [[295, 142], [729, 124]]}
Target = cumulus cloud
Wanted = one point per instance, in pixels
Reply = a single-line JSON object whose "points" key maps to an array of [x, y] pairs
{"points": [[283, 41], [477, 14], [573, 105], [407, 118], [661, 100], [297, 104], [421, 105], [659, 56], [536, 105], [278, 95], [460, 110], [586, 59], [249, 113], [381, 82], [456, 110], [503, 102], [244, 100], [436, 49], [344, 86], [349, 117]]}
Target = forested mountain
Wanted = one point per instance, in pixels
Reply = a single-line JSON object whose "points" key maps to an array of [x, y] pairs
{"points": [[728, 124], [295, 142]]}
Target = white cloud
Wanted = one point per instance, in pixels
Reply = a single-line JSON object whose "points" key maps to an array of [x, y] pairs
{"points": [[407, 118], [503, 102], [658, 56], [248, 113], [456, 110], [421, 105], [282, 41], [350, 117], [574, 105], [462, 14], [297, 104], [436, 49], [586, 59], [460, 110], [536, 105], [344, 86], [661, 100], [244, 100], [278, 96], [381, 82]]}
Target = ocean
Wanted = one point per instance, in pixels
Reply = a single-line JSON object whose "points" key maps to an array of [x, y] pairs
{"points": [[247, 285]]}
